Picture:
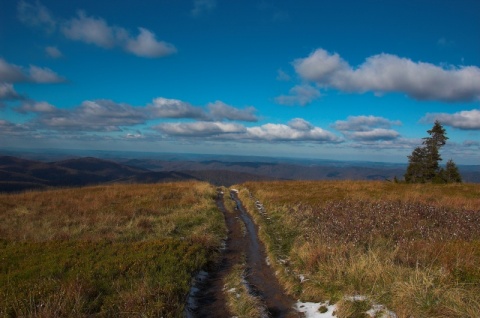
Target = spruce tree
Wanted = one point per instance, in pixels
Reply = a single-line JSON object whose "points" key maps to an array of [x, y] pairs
{"points": [[423, 163], [451, 173]]}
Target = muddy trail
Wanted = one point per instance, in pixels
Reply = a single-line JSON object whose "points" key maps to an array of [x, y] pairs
{"points": [[210, 299]]}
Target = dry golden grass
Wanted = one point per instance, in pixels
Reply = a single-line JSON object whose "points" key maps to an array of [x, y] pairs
{"points": [[414, 248], [117, 212], [108, 251], [461, 195], [240, 301]]}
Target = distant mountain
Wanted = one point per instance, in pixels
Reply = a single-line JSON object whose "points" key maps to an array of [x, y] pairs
{"points": [[18, 174], [296, 170]]}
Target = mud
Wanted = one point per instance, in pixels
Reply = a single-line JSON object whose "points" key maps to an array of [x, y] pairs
{"points": [[210, 298], [261, 275]]}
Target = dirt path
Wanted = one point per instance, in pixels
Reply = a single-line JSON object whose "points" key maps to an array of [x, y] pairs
{"points": [[211, 300]]}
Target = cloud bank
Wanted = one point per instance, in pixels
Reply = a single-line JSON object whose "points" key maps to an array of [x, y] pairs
{"points": [[387, 73]]}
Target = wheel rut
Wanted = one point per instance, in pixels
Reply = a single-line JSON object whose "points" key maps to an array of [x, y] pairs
{"points": [[211, 300]]}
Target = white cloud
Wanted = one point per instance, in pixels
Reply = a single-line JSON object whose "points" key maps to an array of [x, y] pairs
{"points": [[10, 73], [98, 115], [466, 119], [299, 95], [201, 7], [296, 130], [374, 134], [220, 111], [363, 123], [90, 30], [36, 15], [7, 92], [386, 73], [146, 45], [367, 129], [472, 143], [200, 129], [36, 107], [300, 124], [44, 75], [94, 30], [53, 52], [9, 129], [291, 132], [174, 108]]}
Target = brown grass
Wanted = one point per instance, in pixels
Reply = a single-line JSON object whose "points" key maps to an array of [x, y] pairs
{"points": [[117, 212], [414, 248], [106, 251]]}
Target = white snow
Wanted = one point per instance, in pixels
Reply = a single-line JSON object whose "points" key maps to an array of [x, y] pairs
{"points": [[311, 310]]}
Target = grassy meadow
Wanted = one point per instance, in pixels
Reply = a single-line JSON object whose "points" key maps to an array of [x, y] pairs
{"points": [[413, 248], [109, 251]]}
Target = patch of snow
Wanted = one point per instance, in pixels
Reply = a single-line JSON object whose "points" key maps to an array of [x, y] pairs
{"points": [[302, 278], [267, 260], [381, 309], [234, 190], [311, 310]]}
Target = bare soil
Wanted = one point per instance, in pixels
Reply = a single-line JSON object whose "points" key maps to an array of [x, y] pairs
{"points": [[261, 278]]}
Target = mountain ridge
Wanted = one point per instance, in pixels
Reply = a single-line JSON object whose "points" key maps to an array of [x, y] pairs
{"points": [[19, 174]]}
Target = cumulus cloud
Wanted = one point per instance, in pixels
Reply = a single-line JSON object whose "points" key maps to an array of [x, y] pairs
{"points": [[8, 128], [44, 75], [465, 120], [7, 92], [98, 115], [96, 31], [173, 108], [219, 111], [364, 123], [200, 129], [53, 52], [90, 30], [299, 95], [386, 73], [367, 128], [35, 14], [374, 134], [201, 7], [35, 107], [10, 73], [146, 45], [300, 124], [296, 130]]}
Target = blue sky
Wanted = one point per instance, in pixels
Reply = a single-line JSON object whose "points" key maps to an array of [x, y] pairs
{"points": [[349, 80]]}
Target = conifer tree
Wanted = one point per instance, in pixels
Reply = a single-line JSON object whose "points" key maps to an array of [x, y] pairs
{"points": [[423, 163], [451, 173]]}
